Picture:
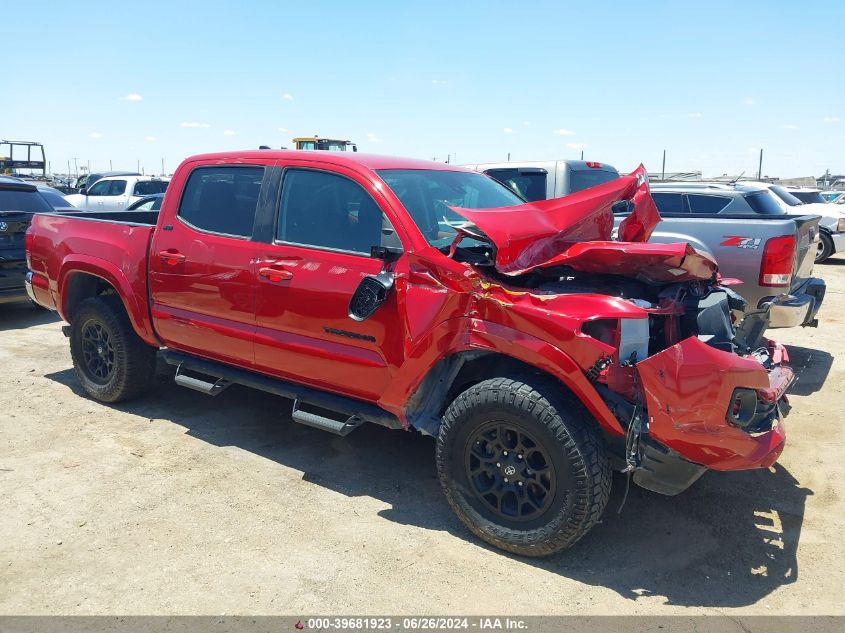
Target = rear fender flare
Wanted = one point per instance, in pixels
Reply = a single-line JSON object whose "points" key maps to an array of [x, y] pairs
{"points": [[135, 305]]}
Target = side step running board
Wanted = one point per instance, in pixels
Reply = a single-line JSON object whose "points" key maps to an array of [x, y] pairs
{"points": [[311, 406], [209, 387], [338, 427]]}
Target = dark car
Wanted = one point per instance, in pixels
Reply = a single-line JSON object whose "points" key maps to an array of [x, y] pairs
{"points": [[55, 197], [19, 200], [147, 203]]}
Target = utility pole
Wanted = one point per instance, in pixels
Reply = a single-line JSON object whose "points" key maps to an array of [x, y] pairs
{"points": [[89, 166], [138, 165], [663, 173], [582, 154], [760, 166], [110, 167], [68, 168], [162, 166], [76, 166], [509, 157]]}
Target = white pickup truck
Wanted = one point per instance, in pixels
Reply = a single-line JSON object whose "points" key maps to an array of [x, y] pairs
{"points": [[116, 193]]}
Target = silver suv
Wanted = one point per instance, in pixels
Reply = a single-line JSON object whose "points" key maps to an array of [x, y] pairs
{"points": [[714, 198]]}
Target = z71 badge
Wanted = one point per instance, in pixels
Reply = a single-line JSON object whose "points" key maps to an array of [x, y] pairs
{"points": [[740, 241]]}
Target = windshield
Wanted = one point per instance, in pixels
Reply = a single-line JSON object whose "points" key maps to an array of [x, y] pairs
{"points": [[764, 203], [787, 197], [809, 197], [28, 201], [427, 195]]}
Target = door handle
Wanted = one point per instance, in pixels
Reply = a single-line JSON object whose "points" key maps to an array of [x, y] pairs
{"points": [[172, 257], [274, 274]]}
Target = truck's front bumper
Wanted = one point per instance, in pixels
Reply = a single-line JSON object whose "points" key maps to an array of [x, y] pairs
{"points": [[689, 390], [799, 307]]}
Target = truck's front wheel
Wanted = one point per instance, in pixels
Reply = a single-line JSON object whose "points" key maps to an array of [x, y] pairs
{"points": [[111, 361], [521, 465]]}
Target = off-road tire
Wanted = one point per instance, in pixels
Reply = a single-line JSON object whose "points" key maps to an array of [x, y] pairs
{"points": [[563, 428], [133, 361], [825, 249]]}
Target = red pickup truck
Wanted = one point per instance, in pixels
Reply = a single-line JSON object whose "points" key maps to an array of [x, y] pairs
{"points": [[541, 353]]}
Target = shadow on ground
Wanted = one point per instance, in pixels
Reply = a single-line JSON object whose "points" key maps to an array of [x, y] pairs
{"points": [[811, 366], [728, 541], [23, 314]]}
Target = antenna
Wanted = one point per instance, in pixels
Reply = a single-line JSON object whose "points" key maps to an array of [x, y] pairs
{"points": [[733, 182]]}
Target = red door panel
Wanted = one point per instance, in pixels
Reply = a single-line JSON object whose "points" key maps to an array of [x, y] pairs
{"points": [[304, 331]]}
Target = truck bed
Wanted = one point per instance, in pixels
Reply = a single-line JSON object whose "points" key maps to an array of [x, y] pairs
{"points": [[112, 246]]}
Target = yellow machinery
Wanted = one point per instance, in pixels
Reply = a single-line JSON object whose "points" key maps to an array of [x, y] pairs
{"points": [[327, 144]]}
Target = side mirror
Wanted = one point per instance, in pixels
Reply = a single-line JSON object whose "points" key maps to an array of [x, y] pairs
{"points": [[370, 294], [83, 191]]}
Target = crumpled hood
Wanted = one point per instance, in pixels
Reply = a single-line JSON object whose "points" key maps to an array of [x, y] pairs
{"points": [[576, 231]]}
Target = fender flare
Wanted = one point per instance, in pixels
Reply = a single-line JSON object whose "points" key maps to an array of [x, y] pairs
{"points": [[135, 305], [476, 335]]}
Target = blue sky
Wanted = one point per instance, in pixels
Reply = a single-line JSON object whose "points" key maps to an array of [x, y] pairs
{"points": [[710, 82]]}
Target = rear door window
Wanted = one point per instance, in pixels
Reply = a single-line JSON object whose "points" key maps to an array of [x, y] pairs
{"points": [[528, 183], [222, 199], [580, 179], [706, 204], [149, 187], [764, 203], [669, 202], [116, 188]]}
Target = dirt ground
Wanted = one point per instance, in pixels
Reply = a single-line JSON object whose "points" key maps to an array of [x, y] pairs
{"points": [[185, 504]]}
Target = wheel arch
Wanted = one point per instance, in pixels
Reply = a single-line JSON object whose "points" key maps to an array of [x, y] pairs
{"points": [[81, 278], [494, 356]]}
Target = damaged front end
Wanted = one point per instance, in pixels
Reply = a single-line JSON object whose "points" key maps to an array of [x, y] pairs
{"points": [[692, 391], [692, 387]]}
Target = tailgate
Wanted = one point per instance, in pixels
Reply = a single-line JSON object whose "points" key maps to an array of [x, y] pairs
{"points": [[807, 234]]}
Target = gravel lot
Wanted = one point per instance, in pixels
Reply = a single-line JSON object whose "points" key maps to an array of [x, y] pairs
{"points": [[181, 503]]}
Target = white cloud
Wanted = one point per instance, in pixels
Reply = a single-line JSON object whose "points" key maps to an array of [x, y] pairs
{"points": [[374, 138], [789, 126], [695, 115], [193, 124], [287, 96], [831, 119], [438, 82], [149, 139], [749, 101], [507, 130], [283, 129], [526, 123], [133, 96], [229, 132], [753, 150], [577, 145], [95, 135], [564, 132]]}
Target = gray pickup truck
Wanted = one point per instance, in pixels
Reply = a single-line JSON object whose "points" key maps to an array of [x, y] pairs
{"points": [[772, 255]]}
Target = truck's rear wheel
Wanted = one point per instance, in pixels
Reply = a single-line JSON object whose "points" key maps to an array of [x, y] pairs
{"points": [[111, 361], [521, 465], [825, 247]]}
